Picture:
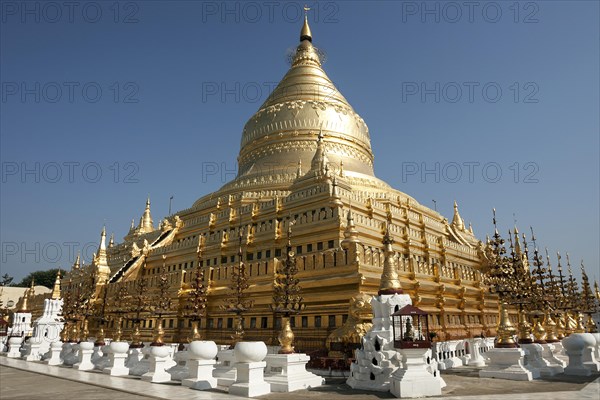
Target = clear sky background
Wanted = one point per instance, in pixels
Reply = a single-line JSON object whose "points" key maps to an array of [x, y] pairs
{"points": [[162, 89]]}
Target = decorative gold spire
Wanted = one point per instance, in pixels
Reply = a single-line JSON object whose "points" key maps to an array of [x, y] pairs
{"points": [[146, 223], [111, 242], [457, 221], [350, 233], [100, 261], [299, 169], [305, 33], [56, 290], [390, 283], [26, 295], [517, 242], [77, 262]]}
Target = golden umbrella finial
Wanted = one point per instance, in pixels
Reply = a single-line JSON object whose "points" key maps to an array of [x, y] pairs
{"points": [[305, 33]]}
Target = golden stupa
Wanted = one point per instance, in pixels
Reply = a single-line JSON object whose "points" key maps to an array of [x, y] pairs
{"points": [[305, 156]]}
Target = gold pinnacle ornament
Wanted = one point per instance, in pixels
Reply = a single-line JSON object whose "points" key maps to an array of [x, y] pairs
{"points": [[390, 282]]}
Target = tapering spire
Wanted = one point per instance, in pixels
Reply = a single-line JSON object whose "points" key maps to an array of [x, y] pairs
{"points": [[102, 245], [305, 33], [77, 262], [350, 233], [517, 242], [100, 260], [56, 289], [457, 221], [28, 293], [146, 223], [111, 242], [390, 283]]}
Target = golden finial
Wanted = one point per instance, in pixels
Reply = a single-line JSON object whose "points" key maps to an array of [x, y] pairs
{"points": [[56, 290], [28, 292], [77, 262], [305, 33], [457, 220], [390, 283]]}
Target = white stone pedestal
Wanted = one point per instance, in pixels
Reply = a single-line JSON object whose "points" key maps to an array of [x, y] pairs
{"points": [[116, 359], [86, 349], [589, 354], [250, 368], [533, 360], [159, 356], [55, 352], [476, 359], [200, 375], [411, 379], [14, 346], [506, 364], [200, 365], [250, 380], [225, 371], [574, 345], [287, 373], [554, 365], [33, 353]]}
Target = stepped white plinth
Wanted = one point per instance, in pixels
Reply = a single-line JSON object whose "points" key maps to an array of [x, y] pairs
{"points": [[55, 353], [201, 364], [506, 364], [117, 355], [533, 360], [225, 371], [86, 349], [34, 351], [589, 354], [554, 364], [250, 368], [159, 356], [287, 373], [574, 345], [412, 379], [14, 346]]}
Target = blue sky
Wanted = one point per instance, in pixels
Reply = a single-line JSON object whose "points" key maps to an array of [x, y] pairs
{"points": [[109, 101]]}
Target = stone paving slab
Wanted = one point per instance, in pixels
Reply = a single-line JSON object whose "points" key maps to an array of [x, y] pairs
{"points": [[37, 381]]}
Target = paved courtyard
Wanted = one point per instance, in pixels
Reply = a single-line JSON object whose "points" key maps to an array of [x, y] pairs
{"points": [[35, 381]]}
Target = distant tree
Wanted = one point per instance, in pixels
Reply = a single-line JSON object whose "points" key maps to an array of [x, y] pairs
{"points": [[6, 280], [43, 278]]}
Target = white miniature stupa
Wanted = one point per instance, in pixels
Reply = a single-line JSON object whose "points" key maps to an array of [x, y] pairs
{"points": [[47, 328], [22, 319], [377, 358]]}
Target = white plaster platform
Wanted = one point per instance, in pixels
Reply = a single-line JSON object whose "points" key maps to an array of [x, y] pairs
{"points": [[506, 364], [287, 373]]}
